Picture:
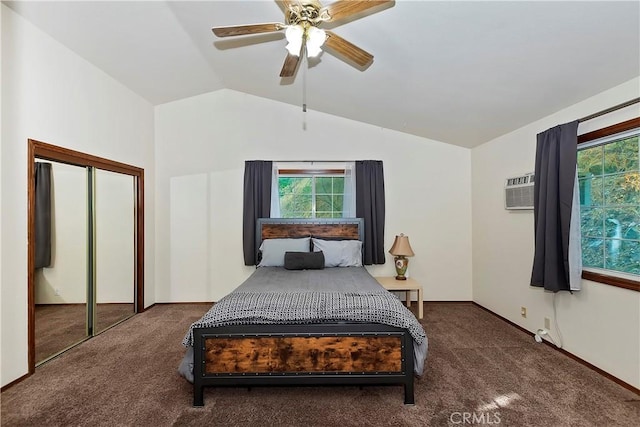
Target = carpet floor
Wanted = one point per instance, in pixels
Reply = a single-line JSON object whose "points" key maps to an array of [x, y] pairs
{"points": [[59, 326], [480, 370]]}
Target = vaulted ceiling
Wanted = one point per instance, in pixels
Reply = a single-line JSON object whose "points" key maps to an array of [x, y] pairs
{"points": [[457, 72]]}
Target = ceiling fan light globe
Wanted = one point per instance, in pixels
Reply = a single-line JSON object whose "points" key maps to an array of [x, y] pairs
{"points": [[294, 35], [315, 40], [313, 51], [294, 48]]}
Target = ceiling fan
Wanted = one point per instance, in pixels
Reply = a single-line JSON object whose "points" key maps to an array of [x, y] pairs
{"points": [[303, 19]]}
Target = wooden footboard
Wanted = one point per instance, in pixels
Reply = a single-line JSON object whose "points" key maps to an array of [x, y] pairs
{"points": [[322, 354]]}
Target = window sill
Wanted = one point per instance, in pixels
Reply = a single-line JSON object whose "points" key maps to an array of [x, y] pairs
{"points": [[619, 282]]}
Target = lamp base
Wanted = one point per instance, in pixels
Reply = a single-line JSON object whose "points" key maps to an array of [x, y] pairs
{"points": [[401, 267]]}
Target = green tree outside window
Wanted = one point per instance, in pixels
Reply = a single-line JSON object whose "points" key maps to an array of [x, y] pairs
{"points": [[314, 196], [609, 184]]}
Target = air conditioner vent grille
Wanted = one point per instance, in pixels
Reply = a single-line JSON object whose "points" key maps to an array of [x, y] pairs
{"points": [[518, 192]]}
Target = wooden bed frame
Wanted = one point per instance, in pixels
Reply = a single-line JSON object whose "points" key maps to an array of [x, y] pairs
{"points": [[317, 354]]}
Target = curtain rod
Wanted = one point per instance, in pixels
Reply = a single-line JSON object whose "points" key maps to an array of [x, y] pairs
{"points": [[312, 161], [609, 110]]}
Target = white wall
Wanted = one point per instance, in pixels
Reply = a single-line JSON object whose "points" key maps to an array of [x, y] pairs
{"points": [[601, 323], [51, 94], [202, 143]]}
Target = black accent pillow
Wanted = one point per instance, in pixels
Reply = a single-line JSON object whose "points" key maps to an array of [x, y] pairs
{"points": [[303, 260]]}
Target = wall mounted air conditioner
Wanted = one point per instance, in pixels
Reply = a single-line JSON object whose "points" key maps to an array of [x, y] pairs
{"points": [[518, 192]]}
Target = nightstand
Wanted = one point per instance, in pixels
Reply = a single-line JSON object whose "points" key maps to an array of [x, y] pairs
{"points": [[406, 286]]}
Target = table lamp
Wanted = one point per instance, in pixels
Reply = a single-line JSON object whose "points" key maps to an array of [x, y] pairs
{"points": [[401, 249]]}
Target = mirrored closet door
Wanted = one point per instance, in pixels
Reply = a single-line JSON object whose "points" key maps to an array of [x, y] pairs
{"points": [[61, 263], [86, 252], [114, 244]]}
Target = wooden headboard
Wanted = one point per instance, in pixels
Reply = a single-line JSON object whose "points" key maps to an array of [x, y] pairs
{"points": [[332, 228]]}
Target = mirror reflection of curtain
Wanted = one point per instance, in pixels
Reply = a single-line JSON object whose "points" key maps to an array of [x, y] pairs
{"points": [[42, 214]]}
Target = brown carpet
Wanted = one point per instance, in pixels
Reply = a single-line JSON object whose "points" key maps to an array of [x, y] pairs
{"points": [[478, 367], [59, 326], [110, 314]]}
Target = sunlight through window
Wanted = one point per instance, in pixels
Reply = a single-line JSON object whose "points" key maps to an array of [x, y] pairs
{"points": [[499, 402]]}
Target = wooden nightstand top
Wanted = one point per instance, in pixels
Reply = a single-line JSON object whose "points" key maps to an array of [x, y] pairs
{"points": [[390, 283]]}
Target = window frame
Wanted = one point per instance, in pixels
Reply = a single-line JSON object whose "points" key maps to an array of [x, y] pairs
{"points": [[610, 277], [311, 173]]}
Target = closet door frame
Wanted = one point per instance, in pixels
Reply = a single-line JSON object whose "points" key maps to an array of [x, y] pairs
{"points": [[44, 151]]}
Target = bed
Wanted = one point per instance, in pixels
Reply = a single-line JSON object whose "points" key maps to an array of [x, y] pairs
{"points": [[306, 327]]}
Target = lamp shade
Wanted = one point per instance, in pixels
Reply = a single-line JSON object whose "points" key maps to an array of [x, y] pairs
{"points": [[401, 246]]}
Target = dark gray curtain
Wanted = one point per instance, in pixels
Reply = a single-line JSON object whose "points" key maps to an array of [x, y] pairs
{"points": [[370, 205], [42, 215], [257, 203], [556, 157]]}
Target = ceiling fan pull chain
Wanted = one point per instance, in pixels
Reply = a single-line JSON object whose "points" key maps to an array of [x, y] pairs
{"points": [[305, 65]]}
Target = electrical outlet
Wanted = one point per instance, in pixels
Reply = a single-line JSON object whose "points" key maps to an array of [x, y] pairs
{"points": [[56, 292], [547, 323], [523, 311]]}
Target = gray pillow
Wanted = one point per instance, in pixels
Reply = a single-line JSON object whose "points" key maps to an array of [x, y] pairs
{"points": [[304, 260], [339, 253], [273, 250]]}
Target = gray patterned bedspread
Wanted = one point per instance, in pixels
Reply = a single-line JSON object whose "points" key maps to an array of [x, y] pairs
{"points": [[273, 295]]}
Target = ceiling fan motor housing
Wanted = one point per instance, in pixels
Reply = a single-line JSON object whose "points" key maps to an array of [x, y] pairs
{"points": [[306, 11]]}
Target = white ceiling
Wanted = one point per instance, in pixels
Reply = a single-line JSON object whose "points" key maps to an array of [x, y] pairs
{"points": [[458, 72]]}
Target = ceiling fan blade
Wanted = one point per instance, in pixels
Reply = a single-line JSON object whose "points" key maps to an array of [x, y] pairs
{"points": [[290, 65], [241, 30], [346, 8], [347, 49]]}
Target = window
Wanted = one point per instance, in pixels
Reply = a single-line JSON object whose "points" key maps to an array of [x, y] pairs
{"points": [[609, 184], [311, 194]]}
